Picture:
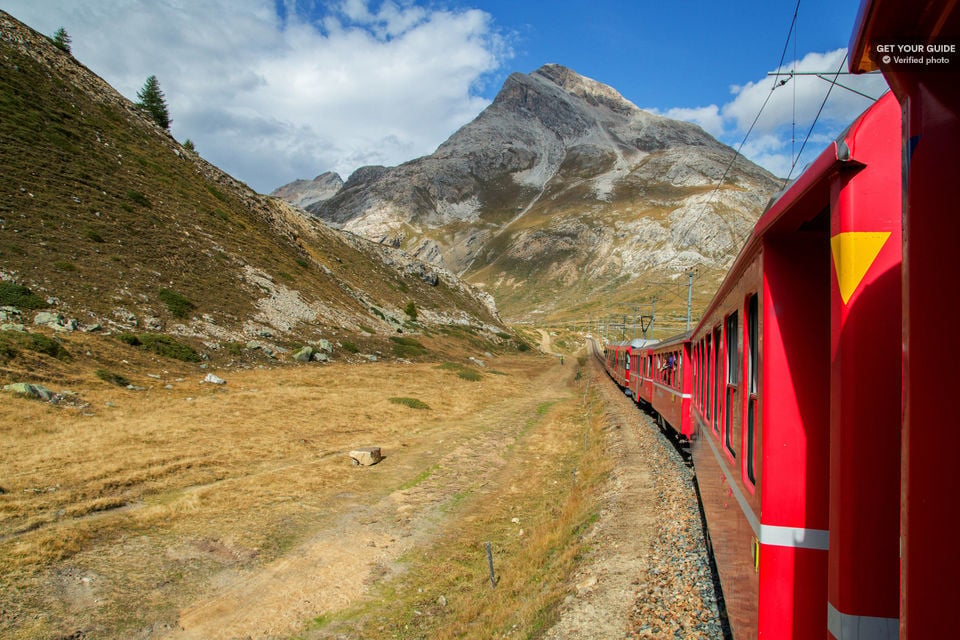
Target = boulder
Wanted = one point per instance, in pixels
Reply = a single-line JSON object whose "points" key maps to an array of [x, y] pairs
{"points": [[31, 391], [304, 355], [212, 379], [47, 318], [367, 456]]}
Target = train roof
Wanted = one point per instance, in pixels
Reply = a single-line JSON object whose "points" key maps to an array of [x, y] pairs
{"points": [[636, 343], [680, 338]]}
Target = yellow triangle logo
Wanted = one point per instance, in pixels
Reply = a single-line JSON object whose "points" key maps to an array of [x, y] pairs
{"points": [[853, 253]]}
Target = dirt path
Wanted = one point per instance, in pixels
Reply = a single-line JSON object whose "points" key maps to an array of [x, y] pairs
{"points": [[620, 540]]}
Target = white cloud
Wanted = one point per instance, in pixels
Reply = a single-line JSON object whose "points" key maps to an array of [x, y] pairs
{"points": [[790, 110], [709, 117], [270, 98]]}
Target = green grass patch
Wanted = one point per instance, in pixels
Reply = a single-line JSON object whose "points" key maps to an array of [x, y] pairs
{"points": [[543, 407], [463, 371], [138, 198], [349, 346], [404, 347], [423, 475], [160, 344], [112, 378], [14, 295], [413, 403], [13, 342], [91, 234], [178, 304], [63, 265]]}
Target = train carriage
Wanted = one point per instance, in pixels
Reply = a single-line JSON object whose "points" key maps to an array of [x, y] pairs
{"points": [[795, 400], [929, 95], [668, 372]]}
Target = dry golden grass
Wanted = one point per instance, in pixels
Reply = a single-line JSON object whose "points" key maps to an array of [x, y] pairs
{"points": [[535, 510], [150, 507]]}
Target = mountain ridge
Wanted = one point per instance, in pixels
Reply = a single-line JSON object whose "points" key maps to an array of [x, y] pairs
{"points": [[563, 173]]}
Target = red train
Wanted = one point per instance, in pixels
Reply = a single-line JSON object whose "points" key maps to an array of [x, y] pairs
{"points": [[815, 387]]}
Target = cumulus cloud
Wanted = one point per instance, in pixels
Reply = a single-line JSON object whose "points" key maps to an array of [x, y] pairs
{"points": [[272, 91], [792, 105], [709, 118]]}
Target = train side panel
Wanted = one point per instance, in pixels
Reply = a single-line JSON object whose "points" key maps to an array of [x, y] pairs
{"points": [[930, 102], [670, 383], [731, 503]]}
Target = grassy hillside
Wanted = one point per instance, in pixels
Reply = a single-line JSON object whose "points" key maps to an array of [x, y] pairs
{"points": [[106, 219]]}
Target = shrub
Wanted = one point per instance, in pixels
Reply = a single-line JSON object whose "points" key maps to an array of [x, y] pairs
{"points": [[407, 347], [168, 347], [349, 346], [63, 265], [112, 378], [138, 198], [463, 371], [129, 338], [15, 295], [13, 342], [93, 235], [162, 345], [470, 374], [178, 304], [411, 310], [47, 346], [413, 403]]}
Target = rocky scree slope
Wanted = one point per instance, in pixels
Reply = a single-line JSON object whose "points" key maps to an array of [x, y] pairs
{"points": [[560, 192], [111, 226]]}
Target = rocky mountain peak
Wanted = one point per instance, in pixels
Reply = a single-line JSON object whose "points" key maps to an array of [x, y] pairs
{"points": [[303, 193], [560, 185], [581, 86]]}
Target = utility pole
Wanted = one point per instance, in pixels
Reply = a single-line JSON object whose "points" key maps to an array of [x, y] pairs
{"points": [[689, 296], [653, 315]]}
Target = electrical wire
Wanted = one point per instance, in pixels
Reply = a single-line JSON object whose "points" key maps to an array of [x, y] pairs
{"points": [[817, 117]]}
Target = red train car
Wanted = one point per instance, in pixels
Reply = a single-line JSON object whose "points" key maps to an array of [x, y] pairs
{"points": [[665, 379], [621, 362], [929, 95], [796, 392]]}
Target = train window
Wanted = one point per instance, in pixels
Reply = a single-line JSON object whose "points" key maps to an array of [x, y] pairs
{"points": [[715, 382], [753, 361], [733, 371]]}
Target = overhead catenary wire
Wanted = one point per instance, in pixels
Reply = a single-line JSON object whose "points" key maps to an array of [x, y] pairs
{"points": [[776, 83], [817, 117]]}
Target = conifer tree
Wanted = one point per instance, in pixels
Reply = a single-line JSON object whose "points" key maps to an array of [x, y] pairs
{"points": [[61, 39], [152, 100]]}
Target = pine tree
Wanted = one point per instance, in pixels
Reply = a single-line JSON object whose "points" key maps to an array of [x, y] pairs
{"points": [[61, 39], [152, 100]]}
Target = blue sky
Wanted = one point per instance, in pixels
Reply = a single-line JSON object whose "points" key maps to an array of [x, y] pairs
{"points": [[274, 90]]}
